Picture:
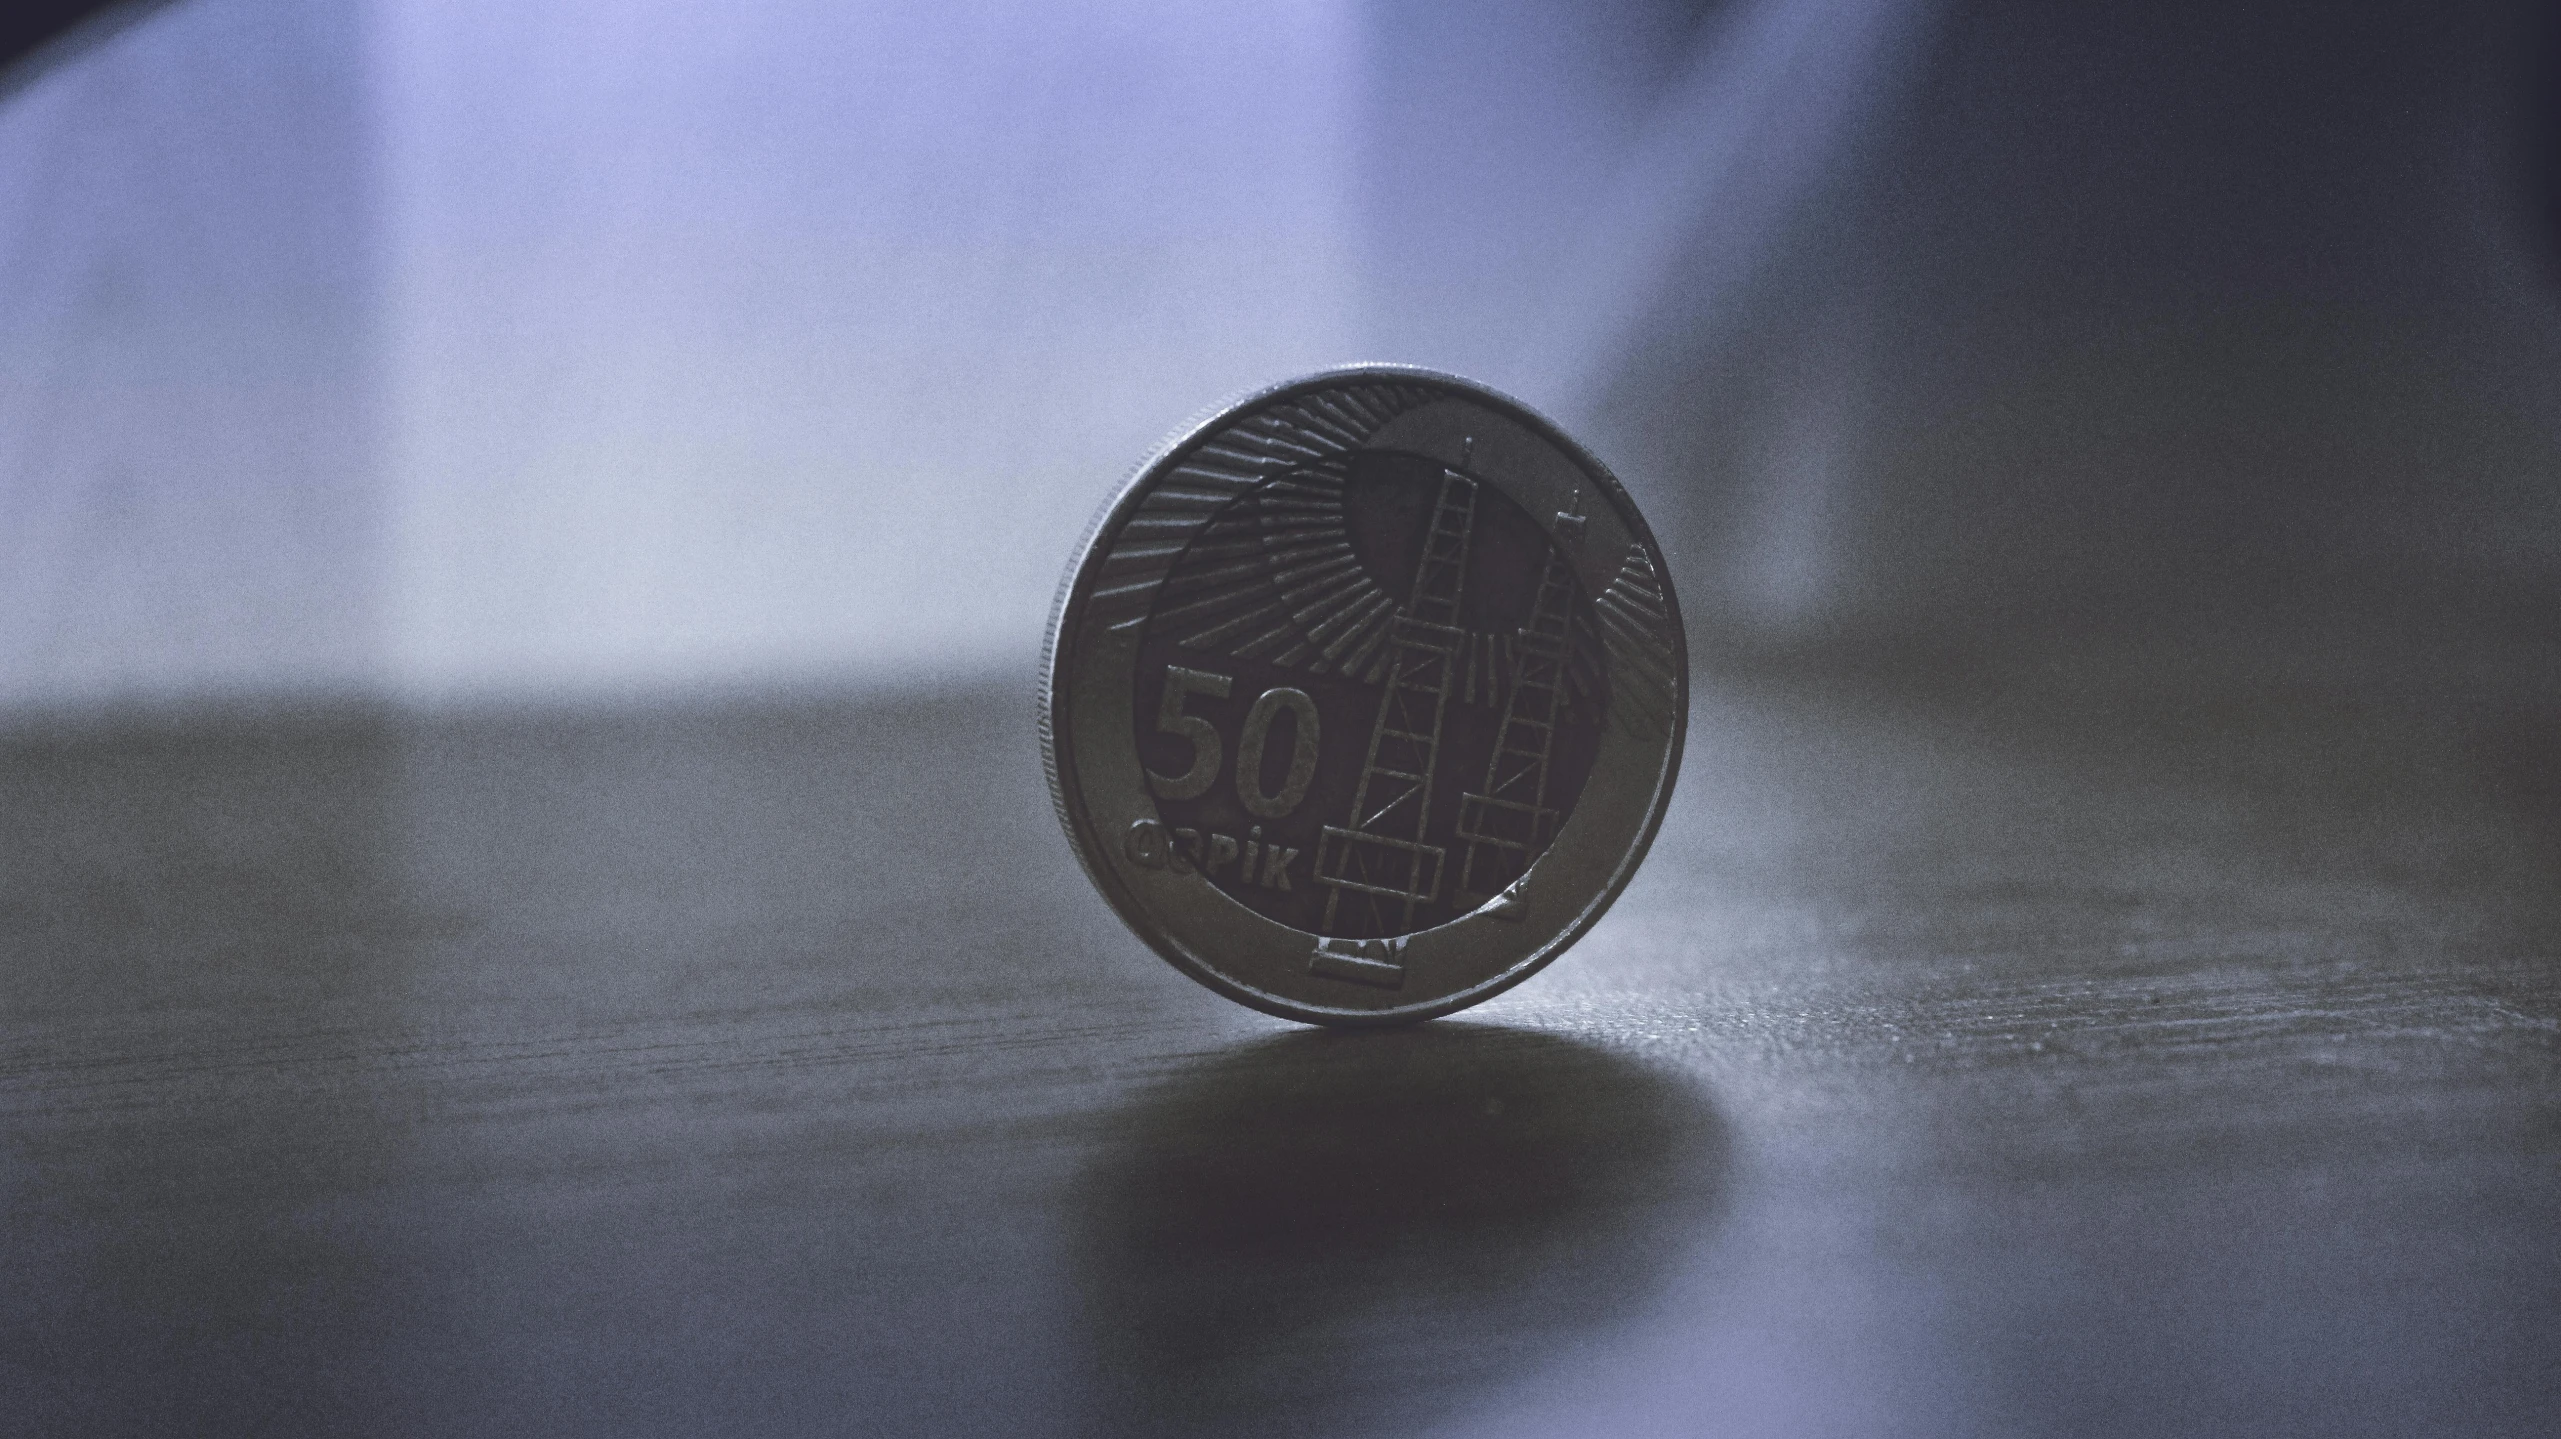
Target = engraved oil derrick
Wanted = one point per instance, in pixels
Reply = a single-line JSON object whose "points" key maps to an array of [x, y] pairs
{"points": [[1507, 822], [1375, 865]]}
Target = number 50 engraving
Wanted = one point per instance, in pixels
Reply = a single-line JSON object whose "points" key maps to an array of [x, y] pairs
{"points": [[1209, 752]]}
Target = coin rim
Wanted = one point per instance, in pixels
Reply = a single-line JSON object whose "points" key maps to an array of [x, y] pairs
{"points": [[1056, 690]]}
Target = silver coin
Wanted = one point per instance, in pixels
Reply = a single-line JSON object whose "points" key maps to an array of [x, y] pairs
{"points": [[1364, 698]]}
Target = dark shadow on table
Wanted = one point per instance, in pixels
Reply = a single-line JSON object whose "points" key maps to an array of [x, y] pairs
{"points": [[1346, 1232]]}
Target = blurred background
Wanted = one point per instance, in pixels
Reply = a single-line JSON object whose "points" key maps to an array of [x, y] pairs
{"points": [[461, 352]]}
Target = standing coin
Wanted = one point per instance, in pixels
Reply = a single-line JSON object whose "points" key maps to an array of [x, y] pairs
{"points": [[1365, 698]]}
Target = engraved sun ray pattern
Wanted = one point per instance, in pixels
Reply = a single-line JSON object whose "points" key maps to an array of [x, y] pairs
{"points": [[1636, 625], [1273, 576], [1288, 435]]}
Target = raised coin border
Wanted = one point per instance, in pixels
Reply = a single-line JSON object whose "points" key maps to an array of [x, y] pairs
{"points": [[1096, 782]]}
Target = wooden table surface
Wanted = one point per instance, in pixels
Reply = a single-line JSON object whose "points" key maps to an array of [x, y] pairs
{"points": [[1973, 1056]]}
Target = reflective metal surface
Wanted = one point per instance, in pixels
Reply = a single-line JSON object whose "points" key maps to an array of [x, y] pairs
{"points": [[1364, 699]]}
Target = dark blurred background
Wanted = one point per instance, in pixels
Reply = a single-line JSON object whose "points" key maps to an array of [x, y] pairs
{"points": [[527, 901]]}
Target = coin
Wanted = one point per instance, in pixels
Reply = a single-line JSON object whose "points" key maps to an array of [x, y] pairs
{"points": [[1364, 698]]}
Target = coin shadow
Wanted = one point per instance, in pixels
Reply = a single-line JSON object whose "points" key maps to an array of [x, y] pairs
{"points": [[1345, 1232]]}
